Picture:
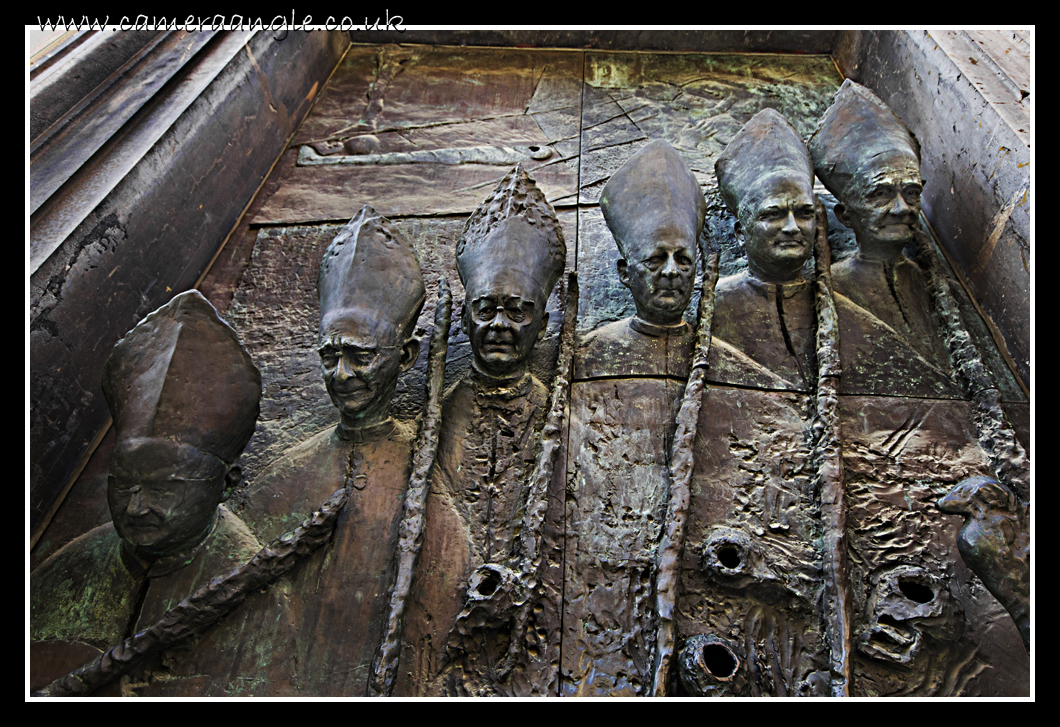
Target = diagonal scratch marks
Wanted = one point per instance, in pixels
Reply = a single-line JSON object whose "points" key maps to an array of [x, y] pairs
{"points": [[896, 440], [537, 82], [494, 182], [626, 113]]}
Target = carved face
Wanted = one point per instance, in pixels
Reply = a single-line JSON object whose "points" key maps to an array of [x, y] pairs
{"points": [[906, 604], [660, 272], [361, 357], [163, 496], [503, 320], [779, 225], [884, 208]]}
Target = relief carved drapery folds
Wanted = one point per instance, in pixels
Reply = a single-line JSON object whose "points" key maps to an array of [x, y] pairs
{"points": [[846, 417]]}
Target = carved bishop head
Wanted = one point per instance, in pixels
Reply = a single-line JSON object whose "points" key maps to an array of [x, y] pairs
{"points": [[766, 179], [184, 395], [654, 208], [371, 293], [870, 161], [509, 258]]}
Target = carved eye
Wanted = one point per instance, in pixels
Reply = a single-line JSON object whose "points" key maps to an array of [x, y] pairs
{"points": [[881, 196], [654, 262], [515, 312], [483, 310], [683, 261], [357, 357]]}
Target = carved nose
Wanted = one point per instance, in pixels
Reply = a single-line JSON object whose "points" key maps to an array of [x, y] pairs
{"points": [[343, 371], [900, 207], [670, 268], [790, 225], [137, 504]]}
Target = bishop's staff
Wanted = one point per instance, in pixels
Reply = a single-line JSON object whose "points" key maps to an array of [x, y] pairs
{"points": [[410, 533], [544, 467], [208, 605], [682, 463], [829, 467]]}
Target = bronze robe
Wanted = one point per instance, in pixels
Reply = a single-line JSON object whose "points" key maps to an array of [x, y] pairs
{"points": [[923, 625], [889, 342], [341, 591], [764, 334], [629, 376], [488, 443], [88, 592], [749, 581]]}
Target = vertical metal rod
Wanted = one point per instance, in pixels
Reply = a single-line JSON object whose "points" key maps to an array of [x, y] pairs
{"points": [[544, 468], [994, 433], [682, 462], [410, 532], [829, 464]]}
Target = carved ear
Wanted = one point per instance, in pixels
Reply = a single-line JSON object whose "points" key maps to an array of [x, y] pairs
{"points": [[544, 326], [233, 477], [409, 353], [623, 272], [738, 229], [842, 215]]}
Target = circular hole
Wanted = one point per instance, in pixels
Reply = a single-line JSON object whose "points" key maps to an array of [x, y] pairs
{"points": [[729, 556], [915, 591], [719, 660], [489, 584], [535, 148]]}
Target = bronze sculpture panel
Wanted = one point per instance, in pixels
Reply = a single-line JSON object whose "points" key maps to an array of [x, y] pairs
{"points": [[791, 536], [184, 395]]}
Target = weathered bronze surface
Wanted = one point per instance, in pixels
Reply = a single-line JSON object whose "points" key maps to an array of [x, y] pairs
{"points": [[184, 396], [646, 481], [750, 583], [621, 428], [995, 543], [918, 628], [371, 292], [509, 257]]}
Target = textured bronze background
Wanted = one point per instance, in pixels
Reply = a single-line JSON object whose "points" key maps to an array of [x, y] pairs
{"points": [[753, 480]]}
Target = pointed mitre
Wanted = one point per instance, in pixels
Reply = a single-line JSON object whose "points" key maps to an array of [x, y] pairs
{"points": [[371, 266], [765, 147], [857, 128], [653, 189], [514, 229], [181, 374]]}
